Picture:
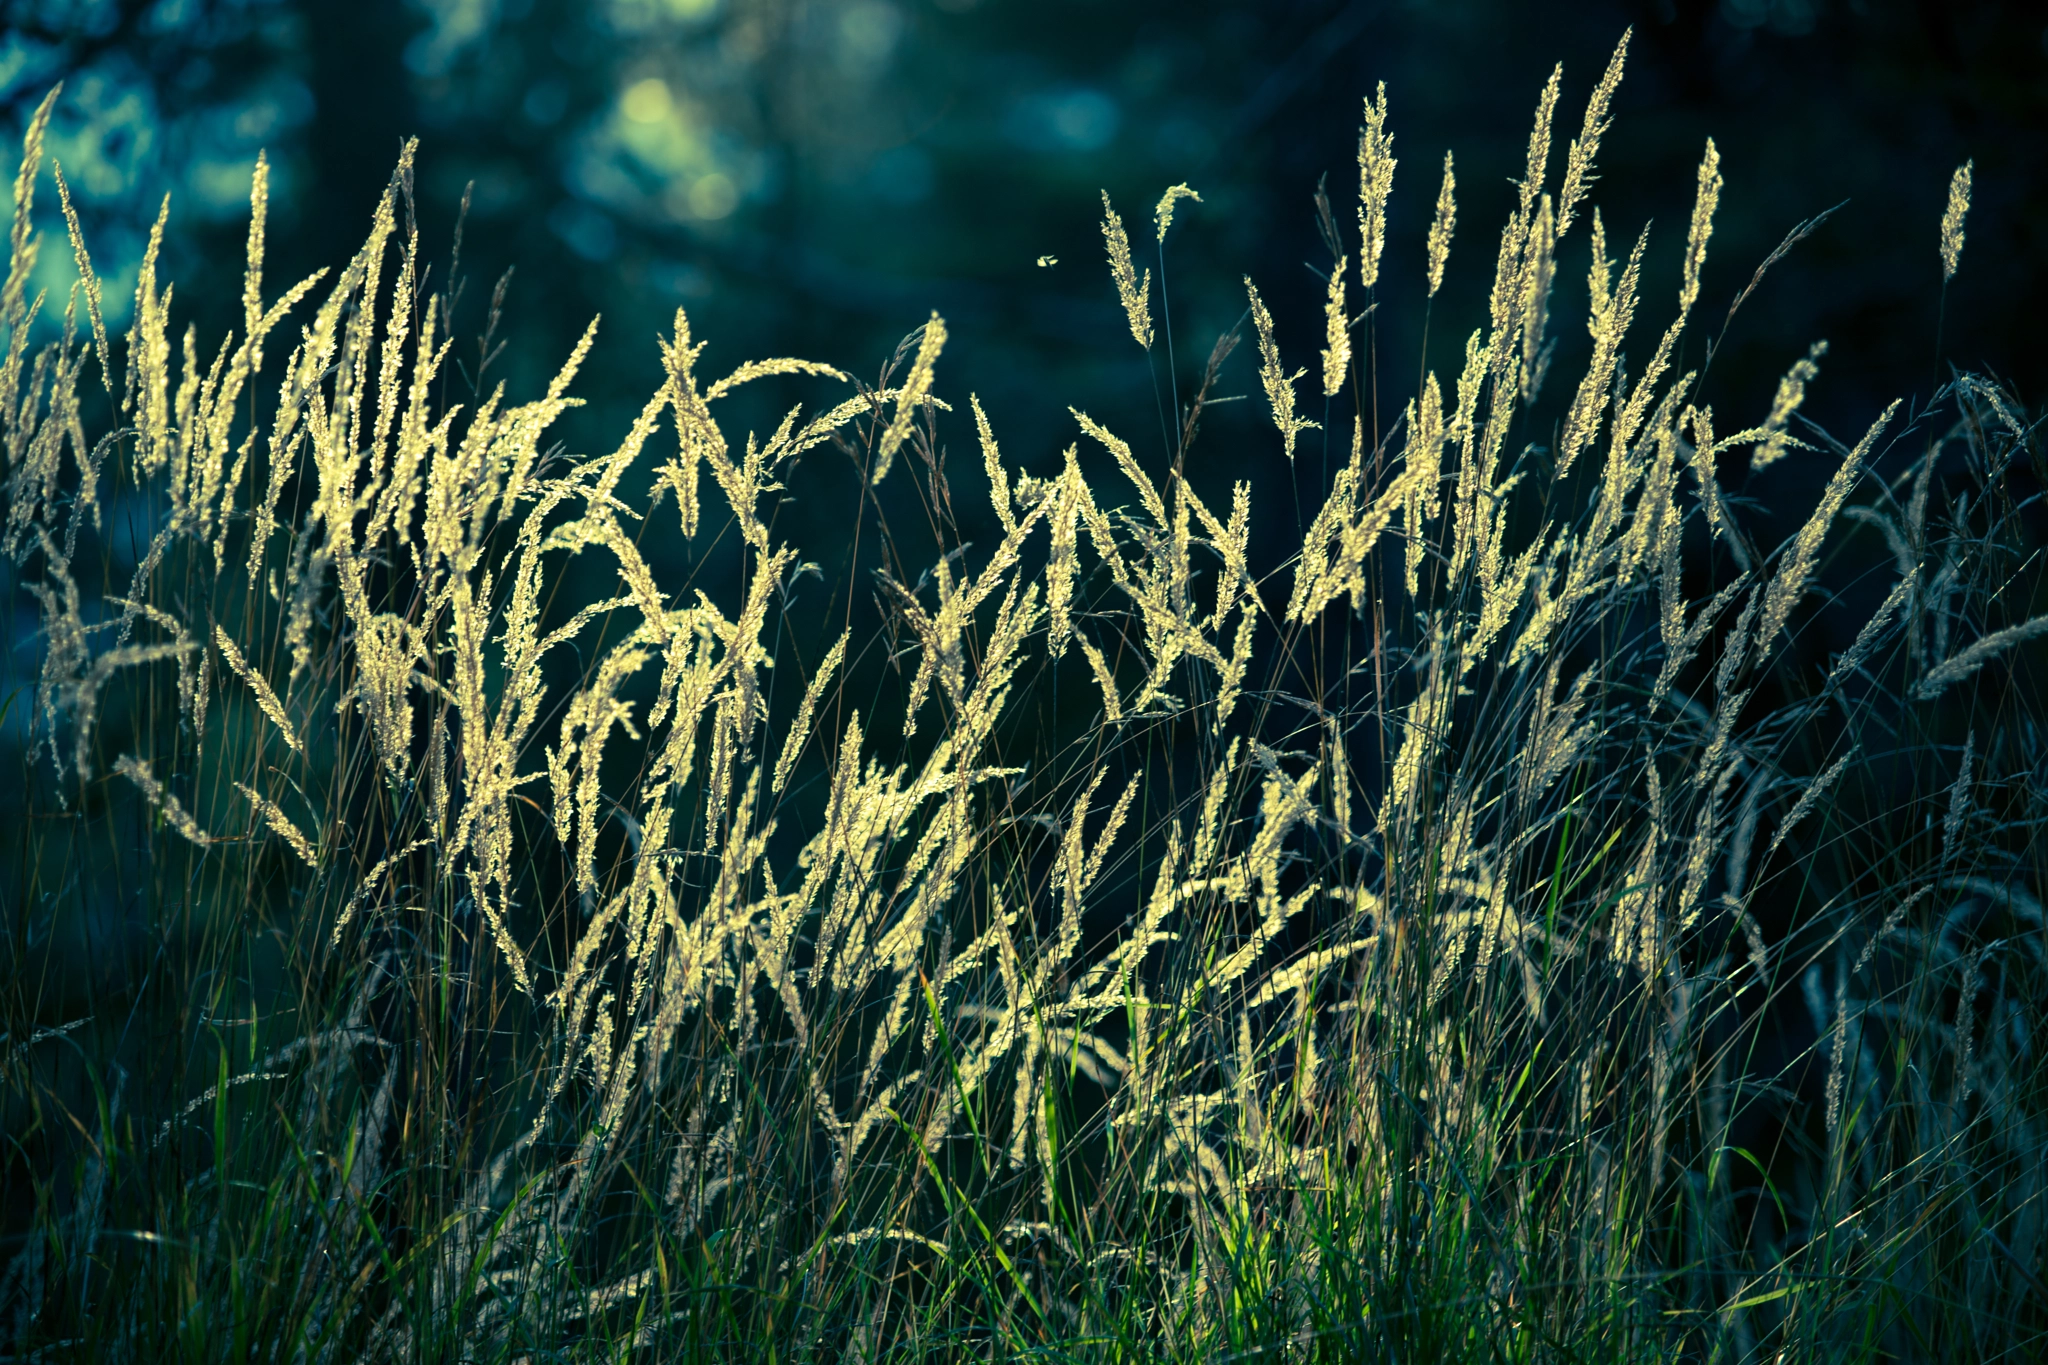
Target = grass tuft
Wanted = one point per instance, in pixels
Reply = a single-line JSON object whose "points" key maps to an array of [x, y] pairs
{"points": [[1532, 919]]}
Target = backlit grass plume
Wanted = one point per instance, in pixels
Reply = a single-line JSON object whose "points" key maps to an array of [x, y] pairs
{"points": [[1375, 186], [1279, 384], [1133, 293], [1952, 220], [1441, 227]]}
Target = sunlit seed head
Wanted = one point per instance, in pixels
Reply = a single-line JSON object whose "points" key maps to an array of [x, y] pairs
{"points": [[1375, 185], [1578, 170], [1337, 334], [1704, 204], [1442, 226], [1133, 293], [1162, 216], [1952, 219]]}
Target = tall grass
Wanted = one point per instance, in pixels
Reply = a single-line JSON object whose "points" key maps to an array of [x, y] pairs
{"points": [[1501, 930]]}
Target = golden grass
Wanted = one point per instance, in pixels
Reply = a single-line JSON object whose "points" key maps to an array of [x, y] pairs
{"points": [[1377, 975]]}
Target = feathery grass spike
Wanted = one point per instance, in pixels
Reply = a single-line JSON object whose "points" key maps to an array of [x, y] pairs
{"points": [[1105, 680], [1964, 662], [916, 389], [1441, 227], [1162, 216], [1891, 923], [21, 254], [1791, 393], [1134, 294], [1599, 279], [369, 885], [83, 260], [1808, 799], [1873, 631], [1585, 148], [1701, 423], [265, 698], [1611, 317], [1704, 203], [1278, 383], [1958, 800], [1424, 490], [1067, 496], [281, 824], [1535, 307], [1539, 142], [1788, 585], [1952, 219], [1337, 335], [252, 280], [137, 770], [799, 733], [992, 465], [1375, 185], [1634, 938], [1424, 729]]}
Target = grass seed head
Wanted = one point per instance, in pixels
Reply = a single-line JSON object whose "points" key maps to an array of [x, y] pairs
{"points": [[1705, 201], [1952, 219], [1134, 294], [1375, 186], [1337, 335], [1441, 227], [1162, 215]]}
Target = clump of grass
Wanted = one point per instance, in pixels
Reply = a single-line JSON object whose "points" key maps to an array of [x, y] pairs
{"points": [[1491, 933]]}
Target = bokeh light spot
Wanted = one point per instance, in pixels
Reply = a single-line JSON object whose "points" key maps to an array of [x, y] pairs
{"points": [[647, 101], [713, 196], [868, 32]]}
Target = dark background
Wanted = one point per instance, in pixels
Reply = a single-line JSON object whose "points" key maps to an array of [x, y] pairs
{"points": [[812, 177]]}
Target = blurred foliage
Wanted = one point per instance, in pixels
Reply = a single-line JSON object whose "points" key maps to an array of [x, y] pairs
{"points": [[812, 177]]}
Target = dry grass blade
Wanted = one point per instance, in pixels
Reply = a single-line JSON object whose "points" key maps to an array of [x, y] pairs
{"points": [[1799, 233]]}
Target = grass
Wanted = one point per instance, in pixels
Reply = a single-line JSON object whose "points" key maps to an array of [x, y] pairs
{"points": [[1529, 919]]}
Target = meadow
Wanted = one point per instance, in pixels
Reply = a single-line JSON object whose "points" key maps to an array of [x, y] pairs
{"points": [[1531, 918]]}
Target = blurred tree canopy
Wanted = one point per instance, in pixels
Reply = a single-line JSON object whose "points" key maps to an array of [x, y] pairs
{"points": [[812, 177]]}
